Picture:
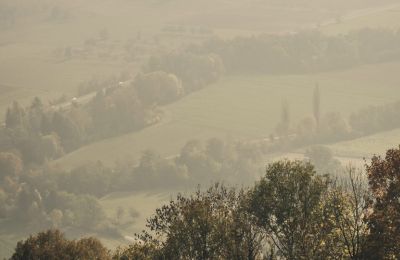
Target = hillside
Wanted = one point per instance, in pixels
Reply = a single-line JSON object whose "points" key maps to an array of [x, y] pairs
{"points": [[246, 107], [117, 78], [35, 45]]}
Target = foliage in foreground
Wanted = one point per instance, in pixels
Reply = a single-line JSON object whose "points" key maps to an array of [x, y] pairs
{"points": [[53, 245], [291, 213]]}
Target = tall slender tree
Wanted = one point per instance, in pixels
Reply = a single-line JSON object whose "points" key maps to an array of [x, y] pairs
{"points": [[317, 104], [284, 125], [15, 116]]}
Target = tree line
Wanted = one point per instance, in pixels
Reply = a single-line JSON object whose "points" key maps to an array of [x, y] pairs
{"points": [[330, 127], [304, 52], [51, 197], [290, 213], [68, 198], [42, 132]]}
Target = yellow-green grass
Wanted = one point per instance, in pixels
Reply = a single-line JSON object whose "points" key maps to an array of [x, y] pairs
{"points": [[368, 146], [384, 17], [247, 107], [7, 244], [345, 160], [144, 204]]}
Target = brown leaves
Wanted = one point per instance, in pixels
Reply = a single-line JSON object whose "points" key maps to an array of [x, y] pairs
{"points": [[384, 224]]}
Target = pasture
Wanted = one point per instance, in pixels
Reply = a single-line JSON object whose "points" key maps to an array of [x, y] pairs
{"points": [[368, 146], [380, 17], [143, 204]]}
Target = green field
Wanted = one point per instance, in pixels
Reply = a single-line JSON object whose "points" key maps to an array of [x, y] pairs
{"points": [[145, 205], [383, 17], [368, 146], [246, 107]]}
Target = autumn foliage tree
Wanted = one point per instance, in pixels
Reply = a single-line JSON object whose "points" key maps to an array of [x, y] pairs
{"points": [[290, 204], [52, 244], [384, 206], [348, 202], [206, 225], [292, 212]]}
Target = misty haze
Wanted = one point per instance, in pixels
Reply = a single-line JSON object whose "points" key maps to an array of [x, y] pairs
{"points": [[199, 129]]}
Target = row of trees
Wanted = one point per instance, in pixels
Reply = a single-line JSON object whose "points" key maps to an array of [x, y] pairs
{"points": [[195, 70], [50, 197], [40, 131], [197, 163], [220, 160], [332, 126], [375, 119], [290, 213], [15, 12], [304, 51]]}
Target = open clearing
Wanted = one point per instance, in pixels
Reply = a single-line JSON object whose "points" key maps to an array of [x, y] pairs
{"points": [[368, 146], [247, 107], [144, 204], [384, 17]]}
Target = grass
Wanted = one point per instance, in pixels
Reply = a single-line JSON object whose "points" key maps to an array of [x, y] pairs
{"points": [[7, 244], [144, 204], [368, 146], [384, 17], [246, 107]]}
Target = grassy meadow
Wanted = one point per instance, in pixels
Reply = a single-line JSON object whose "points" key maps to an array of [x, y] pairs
{"points": [[368, 146], [383, 17]]}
